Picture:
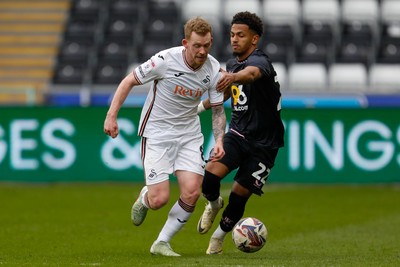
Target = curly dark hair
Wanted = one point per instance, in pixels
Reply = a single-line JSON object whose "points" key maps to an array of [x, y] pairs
{"points": [[250, 19]]}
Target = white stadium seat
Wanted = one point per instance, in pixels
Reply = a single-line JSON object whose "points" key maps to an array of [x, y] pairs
{"points": [[208, 9], [390, 11], [282, 11], [325, 10], [307, 77], [231, 7], [347, 78], [384, 78], [363, 11]]}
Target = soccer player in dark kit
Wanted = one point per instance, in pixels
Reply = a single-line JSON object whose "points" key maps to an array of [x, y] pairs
{"points": [[256, 131]]}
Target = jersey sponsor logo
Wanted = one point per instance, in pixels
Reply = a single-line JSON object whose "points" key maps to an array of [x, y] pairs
{"points": [[179, 74], [182, 91], [239, 98], [241, 108], [207, 79]]}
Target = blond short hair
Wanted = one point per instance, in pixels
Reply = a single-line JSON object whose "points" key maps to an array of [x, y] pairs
{"points": [[197, 25]]}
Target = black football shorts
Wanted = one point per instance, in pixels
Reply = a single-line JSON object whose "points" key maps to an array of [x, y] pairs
{"points": [[254, 162]]}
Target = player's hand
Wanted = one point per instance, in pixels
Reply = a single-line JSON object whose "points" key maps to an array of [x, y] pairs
{"points": [[111, 127], [226, 80], [218, 152]]}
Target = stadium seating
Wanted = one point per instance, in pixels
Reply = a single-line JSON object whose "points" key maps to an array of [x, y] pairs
{"points": [[307, 77], [359, 34], [320, 26], [390, 11], [161, 19], [384, 78], [109, 73], [75, 52], [347, 78], [316, 45], [210, 10], [125, 9], [69, 74], [229, 9], [162, 22], [389, 49], [86, 9], [282, 29]]}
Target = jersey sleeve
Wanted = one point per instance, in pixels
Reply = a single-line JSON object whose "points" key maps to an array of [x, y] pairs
{"points": [[216, 98], [152, 69], [260, 62]]}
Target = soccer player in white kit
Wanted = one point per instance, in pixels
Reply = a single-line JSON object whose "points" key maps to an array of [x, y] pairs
{"points": [[172, 141]]}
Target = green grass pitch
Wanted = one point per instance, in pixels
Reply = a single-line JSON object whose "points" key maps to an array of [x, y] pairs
{"points": [[89, 225]]}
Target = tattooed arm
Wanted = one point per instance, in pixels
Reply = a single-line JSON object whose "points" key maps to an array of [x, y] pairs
{"points": [[218, 125]]}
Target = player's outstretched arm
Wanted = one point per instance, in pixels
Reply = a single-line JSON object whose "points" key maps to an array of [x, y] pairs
{"points": [[125, 86], [245, 76]]}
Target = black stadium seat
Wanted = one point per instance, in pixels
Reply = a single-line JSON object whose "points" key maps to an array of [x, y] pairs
{"points": [[68, 74], [279, 43], [86, 9], [75, 52], [109, 73], [389, 49], [103, 37]]}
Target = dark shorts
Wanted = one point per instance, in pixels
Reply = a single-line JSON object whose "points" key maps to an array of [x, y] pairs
{"points": [[254, 162]]}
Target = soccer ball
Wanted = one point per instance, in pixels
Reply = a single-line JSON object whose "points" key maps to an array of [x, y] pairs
{"points": [[249, 235]]}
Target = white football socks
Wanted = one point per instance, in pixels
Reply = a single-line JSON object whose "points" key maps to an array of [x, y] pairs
{"points": [[219, 233], [177, 218]]}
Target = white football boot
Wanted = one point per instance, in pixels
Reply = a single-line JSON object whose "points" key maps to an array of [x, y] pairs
{"points": [[215, 246], [208, 216], [139, 211], [163, 248]]}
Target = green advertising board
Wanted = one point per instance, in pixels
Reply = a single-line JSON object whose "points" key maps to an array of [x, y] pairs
{"points": [[322, 145]]}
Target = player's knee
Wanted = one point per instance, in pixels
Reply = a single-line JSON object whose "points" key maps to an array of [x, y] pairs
{"points": [[157, 201], [191, 197], [211, 186]]}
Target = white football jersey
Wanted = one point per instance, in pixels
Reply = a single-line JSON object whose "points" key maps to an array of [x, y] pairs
{"points": [[170, 109]]}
